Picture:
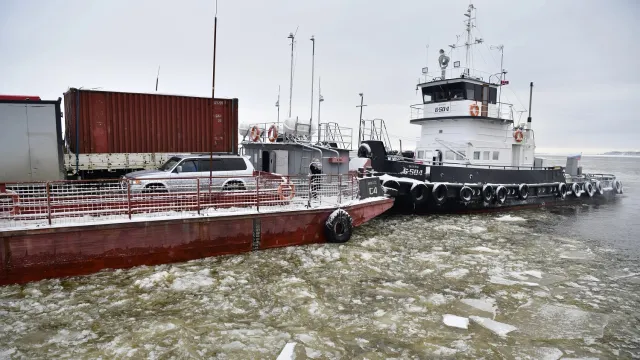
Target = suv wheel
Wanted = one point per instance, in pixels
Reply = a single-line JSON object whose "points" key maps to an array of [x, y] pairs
{"points": [[233, 185]]}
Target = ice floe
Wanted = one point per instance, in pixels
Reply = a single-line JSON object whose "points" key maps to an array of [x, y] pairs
{"points": [[498, 328], [455, 321], [510, 218]]}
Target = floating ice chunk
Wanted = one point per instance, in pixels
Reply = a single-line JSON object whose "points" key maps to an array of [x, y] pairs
{"points": [[369, 242], [588, 278], [539, 353], [547, 321], [192, 281], [478, 229], [287, 352], [502, 281], [485, 250], [509, 218], [152, 281], [455, 321], [498, 328], [577, 255], [439, 299], [488, 304], [312, 353], [534, 273], [457, 273]]}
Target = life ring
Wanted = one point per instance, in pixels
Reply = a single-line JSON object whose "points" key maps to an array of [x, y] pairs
{"points": [[501, 194], [465, 194], [523, 191], [338, 227], [255, 134], [419, 194], [599, 187], [588, 188], [474, 110], [288, 187], [439, 193], [518, 135], [487, 193], [562, 190], [575, 189], [273, 133], [15, 200]]}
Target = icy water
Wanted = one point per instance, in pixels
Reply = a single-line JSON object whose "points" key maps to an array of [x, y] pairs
{"points": [[536, 284]]}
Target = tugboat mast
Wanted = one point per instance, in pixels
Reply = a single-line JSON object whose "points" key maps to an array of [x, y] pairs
{"points": [[468, 44]]}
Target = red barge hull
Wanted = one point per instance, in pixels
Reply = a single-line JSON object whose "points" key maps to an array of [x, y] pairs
{"points": [[52, 252]]}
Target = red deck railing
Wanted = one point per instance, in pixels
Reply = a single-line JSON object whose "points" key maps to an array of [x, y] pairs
{"points": [[86, 201]]}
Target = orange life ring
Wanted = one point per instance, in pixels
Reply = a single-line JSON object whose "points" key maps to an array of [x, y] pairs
{"points": [[281, 189], [474, 110], [518, 135], [15, 199], [273, 133], [255, 134]]}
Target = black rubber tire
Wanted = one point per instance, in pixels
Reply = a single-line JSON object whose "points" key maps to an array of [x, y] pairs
{"points": [[440, 193], [523, 192], [562, 190], [466, 194], [501, 194], [588, 188], [487, 193], [419, 194], [339, 227]]}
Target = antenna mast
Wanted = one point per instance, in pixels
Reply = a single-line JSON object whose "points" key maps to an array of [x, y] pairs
{"points": [[291, 36], [467, 44], [278, 104], [313, 64]]}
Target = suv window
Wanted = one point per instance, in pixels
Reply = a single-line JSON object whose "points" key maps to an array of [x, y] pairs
{"points": [[188, 166], [233, 164], [203, 165]]}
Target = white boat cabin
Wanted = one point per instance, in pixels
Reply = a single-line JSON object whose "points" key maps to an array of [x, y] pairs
{"points": [[463, 123]]}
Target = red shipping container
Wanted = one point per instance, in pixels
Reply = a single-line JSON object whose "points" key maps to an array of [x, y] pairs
{"points": [[117, 122]]}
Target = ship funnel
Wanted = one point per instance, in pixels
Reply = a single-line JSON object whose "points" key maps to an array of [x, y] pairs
{"points": [[443, 61]]}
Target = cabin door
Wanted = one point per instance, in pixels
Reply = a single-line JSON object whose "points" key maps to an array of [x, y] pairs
{"points": [[516, 151], [266, 161]]}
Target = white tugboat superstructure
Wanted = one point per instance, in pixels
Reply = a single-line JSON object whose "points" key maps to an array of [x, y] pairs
{"points": [[472, 153]]}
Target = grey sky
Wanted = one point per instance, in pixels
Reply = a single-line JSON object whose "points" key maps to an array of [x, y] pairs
{"points": [[581, 55]]}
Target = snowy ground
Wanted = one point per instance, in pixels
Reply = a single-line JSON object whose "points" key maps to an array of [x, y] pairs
{"points": [[404, 287]]}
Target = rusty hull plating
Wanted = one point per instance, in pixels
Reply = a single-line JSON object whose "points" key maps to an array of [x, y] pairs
{"points": [[31, 255]]}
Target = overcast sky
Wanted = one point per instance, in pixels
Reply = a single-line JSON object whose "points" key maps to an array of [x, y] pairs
{"points": [[581, 55]]}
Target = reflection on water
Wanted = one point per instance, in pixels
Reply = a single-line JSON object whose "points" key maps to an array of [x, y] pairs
{"points": [[532, 284]]}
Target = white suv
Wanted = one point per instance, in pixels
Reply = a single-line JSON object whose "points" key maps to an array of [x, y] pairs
{"points": [[230, 172]]}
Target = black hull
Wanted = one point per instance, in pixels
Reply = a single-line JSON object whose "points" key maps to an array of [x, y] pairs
{"points": [[404, 203]]}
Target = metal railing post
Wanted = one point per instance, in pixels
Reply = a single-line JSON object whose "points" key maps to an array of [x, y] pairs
{"points": [[310, 177], [198, 194], [339, 189], [49, 202], [257, 193], [129, 198]]}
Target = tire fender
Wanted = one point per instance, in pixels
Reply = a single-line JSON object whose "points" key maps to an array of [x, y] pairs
{"points": [[338, 227]]}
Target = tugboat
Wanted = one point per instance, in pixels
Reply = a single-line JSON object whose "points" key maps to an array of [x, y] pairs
{"points": [[472, 154]]}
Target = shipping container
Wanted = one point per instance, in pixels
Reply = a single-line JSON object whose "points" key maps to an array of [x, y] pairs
{"points": [[99, 122], [31, 142]]}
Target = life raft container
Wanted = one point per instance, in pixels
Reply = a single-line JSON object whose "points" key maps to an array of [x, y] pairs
{"points": [[501, 194], [439, 193], [465, 194], [338, 227], [273, 133], [474, 110], [523, 191]]}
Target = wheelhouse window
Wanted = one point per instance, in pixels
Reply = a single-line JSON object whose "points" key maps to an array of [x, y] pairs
{"points": [[496, 155], [476, 155], [460, 155], [449, 155], [485, 155], [421, 154]]}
